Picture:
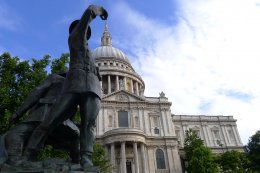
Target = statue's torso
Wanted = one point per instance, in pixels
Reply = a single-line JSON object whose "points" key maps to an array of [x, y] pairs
{"points": [[82, 75]]}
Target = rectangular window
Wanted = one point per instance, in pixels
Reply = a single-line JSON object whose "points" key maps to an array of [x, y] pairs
{"points": [[156, 130], [123, 119]]}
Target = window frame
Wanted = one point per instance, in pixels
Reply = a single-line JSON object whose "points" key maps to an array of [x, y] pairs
{"points": [[160, 159]]}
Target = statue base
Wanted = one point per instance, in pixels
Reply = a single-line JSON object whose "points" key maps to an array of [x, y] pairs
{"points": [[47, 166]]}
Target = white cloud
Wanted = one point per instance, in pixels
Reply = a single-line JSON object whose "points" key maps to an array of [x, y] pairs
{"points": [[213, 48]]}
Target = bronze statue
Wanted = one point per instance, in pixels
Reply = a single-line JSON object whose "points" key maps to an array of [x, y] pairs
{"points": [[38, 103], [81, 88]]}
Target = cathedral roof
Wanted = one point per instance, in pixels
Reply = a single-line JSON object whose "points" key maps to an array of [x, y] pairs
{"points": [[106, 50]]}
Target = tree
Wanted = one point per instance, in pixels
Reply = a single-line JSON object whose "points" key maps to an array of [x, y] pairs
{"points": [[191, 142], [18, 78], [202, 161], [253, 148], [199, 157], [60, 64], [100, 159], [233, 162]]}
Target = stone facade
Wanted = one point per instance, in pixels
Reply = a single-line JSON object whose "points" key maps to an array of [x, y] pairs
{"points": [[140, 133]]}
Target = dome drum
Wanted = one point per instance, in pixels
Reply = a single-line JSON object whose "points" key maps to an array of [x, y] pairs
{"points": [[112, 83]]}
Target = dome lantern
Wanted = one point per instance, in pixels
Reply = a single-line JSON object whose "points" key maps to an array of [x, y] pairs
{"points": [[106, 39]]}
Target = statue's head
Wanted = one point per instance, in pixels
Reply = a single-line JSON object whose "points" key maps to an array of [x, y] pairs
{"points": [[74, 24]]}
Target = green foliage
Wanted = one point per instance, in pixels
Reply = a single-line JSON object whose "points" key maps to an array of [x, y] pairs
{"points": [[253, 147], [233, 162], [99, 156], [15, 84], [100, 159], [18, 78], [38, 70], [60, 64], [198, 156], [49, 152], [191, 142], [202, 161]]}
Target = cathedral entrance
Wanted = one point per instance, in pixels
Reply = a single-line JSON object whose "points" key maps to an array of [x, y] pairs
{"points": [[128, 167]]}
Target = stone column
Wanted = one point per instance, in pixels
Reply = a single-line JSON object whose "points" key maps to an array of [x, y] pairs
{"points": [[211, 142], [109, 83], [112, 155], [101, 84], [235, 135], [125, 83], [222, 126], [123, 159], [204, 130], [176, 159], [136, 158], [143, 158], [117, 83], [132, 86], [238, 136], [228, 139], [171, 161], [136, 88]]}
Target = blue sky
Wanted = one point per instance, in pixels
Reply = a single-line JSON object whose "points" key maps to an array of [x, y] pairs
{"points": [[34, 28], [204, 54]]}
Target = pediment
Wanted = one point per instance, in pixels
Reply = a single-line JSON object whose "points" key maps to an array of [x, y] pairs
{"points": [[122, 96]]}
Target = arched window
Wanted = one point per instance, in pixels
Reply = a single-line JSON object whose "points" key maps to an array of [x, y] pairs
{"points": [[160, 161]]}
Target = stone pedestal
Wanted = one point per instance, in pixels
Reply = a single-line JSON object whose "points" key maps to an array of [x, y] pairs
{"points": [[47, 166]]}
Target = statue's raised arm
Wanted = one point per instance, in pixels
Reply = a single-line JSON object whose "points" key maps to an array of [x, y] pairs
{"points": [[81, 27]]}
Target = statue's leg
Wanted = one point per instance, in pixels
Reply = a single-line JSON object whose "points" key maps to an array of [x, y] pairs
{"points": [[58, 113], [15, 140], [89, 108]]}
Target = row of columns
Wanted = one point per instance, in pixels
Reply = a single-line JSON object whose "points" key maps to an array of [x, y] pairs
{"points": [[134, 84], [123, 157]]}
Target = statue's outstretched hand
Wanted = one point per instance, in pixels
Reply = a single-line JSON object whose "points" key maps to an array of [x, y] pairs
{"points": [[104, 14], [99, 11]]}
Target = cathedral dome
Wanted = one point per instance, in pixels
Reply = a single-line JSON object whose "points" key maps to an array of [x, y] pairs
{"points": [[115, 68], [109, 52]]}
